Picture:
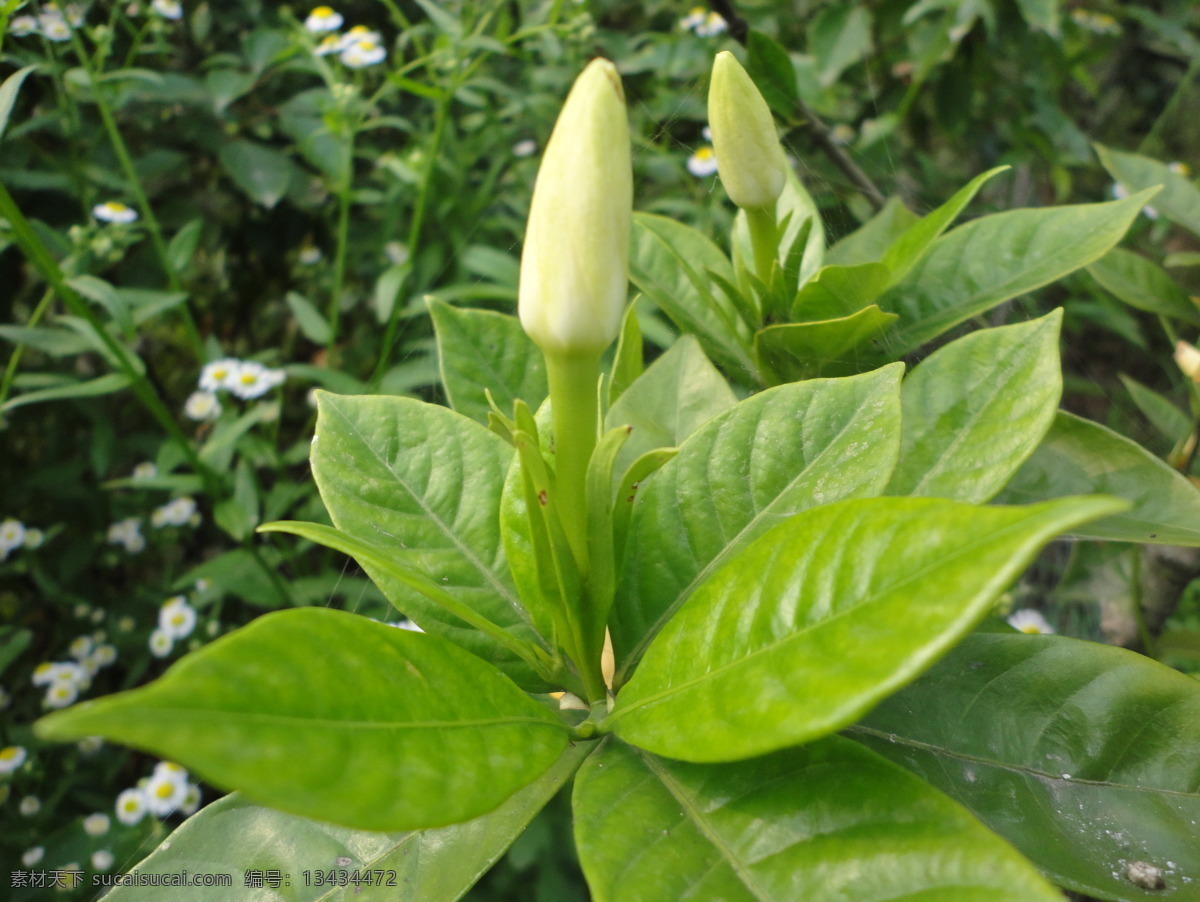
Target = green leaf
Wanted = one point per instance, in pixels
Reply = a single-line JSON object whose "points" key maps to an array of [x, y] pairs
{"points": [[183, 245], [1144, 285], [804, 350], [989, 260], [824, 615], [975, 409], [55, 342], [311, 321], [332, 716], [13, 642], [233, 835], [261, 172], [769, 65], [829, 822], [108, 297], [1042, 15], [92, 388], [798, 213], [839, 36], [779, 452], [8, 94], [870, 241], [1171, 422], [907, 250], [1080, 754], [424, 483], [837, 291], [629, 359], [481, 350], [678, 393], [1078, 456], [669, 262], [1179, 200]]}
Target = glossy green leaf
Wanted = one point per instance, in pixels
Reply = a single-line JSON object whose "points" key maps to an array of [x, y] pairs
{"points": [[989, 260], [1043, 15], [837, 291], [870, 241], [771, 68], [1078, 456], [311, 321], [824, 615], [183, 245], [1171, 422], [1179, 199], [804, 350], [669, 263], [779, 452], [332, 716], [629, 359], [262, 173], [8, 94], [424, 482], [678, 393], [1143, 284], [975, 409], [839, 36], [233, 835], [907, 250], [1080, 754], [52, 341], [481, 349], [91, 388], [829, 822]]}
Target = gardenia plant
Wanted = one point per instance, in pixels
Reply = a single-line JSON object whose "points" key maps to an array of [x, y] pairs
{"points": [[795, 587]]}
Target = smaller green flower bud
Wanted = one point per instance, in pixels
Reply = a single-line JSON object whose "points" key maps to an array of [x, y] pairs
{"points": [[575, 261], [750, 159]]}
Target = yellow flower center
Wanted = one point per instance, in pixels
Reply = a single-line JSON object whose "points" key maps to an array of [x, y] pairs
{"points": [[164, 790], [322, 12]]}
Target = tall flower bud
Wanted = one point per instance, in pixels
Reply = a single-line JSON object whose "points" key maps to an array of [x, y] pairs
{"points": [[750, 159], [575, 262]]}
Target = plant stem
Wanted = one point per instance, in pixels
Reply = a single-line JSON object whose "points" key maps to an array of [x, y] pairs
{"points": [[764, 240], [10, 370], [574, 405], [345, 193]]}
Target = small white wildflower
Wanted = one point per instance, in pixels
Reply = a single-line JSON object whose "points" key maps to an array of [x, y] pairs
{"points": [[1028, 620], [177, 620], [127, 532], [329, 44], [96, 824], [81, 610], [89, 745], [702, 163], [168, 9], [29, 806], [105, 654], [526, 148], [714, 24], [145, 470], [164, 793], [203, 584], [1120, 192], [323, 19], [126, 624], [22, 25], [177, 512], [131, 807], [694, 19], [255, 380], [80, 648], [12, 535], [55, 27], [98, 616], [396, 252], [11, 758], [363, 53], [219, 374], [114, 211], [706, 134], [34, 538], [191, 800], [33, 856], [309, 254], [61, 694], [160, 644], [102, 859], [74, 14], [1180, 168], [202, 405], [170, 769], [841, 133]]}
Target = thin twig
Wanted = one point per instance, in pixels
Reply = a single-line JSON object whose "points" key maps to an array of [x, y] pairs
{"points": [[740, 32]]}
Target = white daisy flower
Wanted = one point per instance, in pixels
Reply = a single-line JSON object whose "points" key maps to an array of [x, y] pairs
{"points": [[309, 254], [1028, 620], [34, 538], [177, 512], [114, 211], [160, 644], [32, 856], [360, 33], [61, 694], [170, 769], [102, 859], [1180, 168], [702, 163], [201, 406], [361, 54], [323, 19], [127, 532], [105, 655], [191, 800], [168, 9], [131, 807], [22, 25], [203, 584], [11, 758], [29, 806], [96, 824], [694, 19], [329, 44], [714, 24], [55, 27], [219, 374], [706, 134], [80, 648], [145, 470], [255, 380], [177, 620], [526, 148], [12, 535], [164, 794], [74, 14]]}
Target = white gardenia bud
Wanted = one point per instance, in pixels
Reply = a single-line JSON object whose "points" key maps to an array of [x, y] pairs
{"points": [[1188, 358], [750, 159], [575, 262]]}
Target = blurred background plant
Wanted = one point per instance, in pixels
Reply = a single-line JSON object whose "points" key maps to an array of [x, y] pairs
{"points": [[207, 210]]}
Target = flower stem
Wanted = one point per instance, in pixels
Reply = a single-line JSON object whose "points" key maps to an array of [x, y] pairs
{"points": [[764, 240], [574, 405]]}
